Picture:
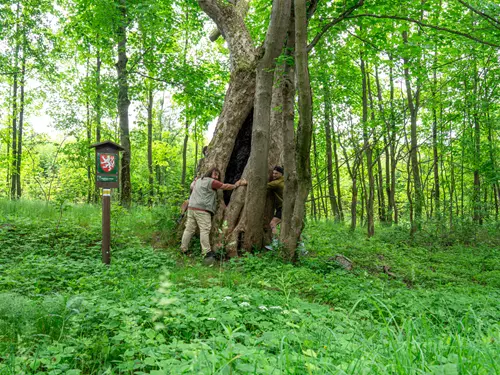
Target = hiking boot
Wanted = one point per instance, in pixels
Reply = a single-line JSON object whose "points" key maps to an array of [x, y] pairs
{"points": [[209, 259]]}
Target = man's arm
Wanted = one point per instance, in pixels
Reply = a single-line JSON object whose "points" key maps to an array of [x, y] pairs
{"points": [[238, 183], [192, 183], [272, 185]]}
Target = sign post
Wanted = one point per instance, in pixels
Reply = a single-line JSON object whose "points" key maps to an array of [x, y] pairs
{"points": [[107, 177]]}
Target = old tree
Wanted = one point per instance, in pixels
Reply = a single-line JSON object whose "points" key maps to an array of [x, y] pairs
{"points": [[268, 83], [247, 128], [256, 130]]}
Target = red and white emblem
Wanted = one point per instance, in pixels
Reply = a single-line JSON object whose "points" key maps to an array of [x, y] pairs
{"points": [[107, 162]]}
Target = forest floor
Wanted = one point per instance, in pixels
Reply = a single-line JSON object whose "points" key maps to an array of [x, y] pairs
{"points": [[430, 305]]}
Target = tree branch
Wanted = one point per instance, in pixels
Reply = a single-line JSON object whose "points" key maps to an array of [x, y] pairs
{"points": [[423, 24], [313, 5], [489, 18], [343, 16], [233, 29]]}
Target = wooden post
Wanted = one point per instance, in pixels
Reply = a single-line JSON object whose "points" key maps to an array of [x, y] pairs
{"points": [[107, 178], [106, 226]]}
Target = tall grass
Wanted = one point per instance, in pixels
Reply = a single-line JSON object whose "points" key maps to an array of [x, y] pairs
{"points": [[63, 312]]}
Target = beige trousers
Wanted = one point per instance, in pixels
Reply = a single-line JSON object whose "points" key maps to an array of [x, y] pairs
{"points": [[202, 220]]}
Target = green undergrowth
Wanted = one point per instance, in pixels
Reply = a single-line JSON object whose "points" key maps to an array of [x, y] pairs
{"points": [[434, 310]]}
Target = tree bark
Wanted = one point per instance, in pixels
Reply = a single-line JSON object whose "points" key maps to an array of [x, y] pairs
{"points": [[150, 146], [21, 122], [256, 169], [435, 154], [387, 215], [123, 105], [98, 114], [413, 105], [329, 159], [304, 130], [368, 153], [321, 198], [477, 216], [13, 188], [184, 150], [392, 150], [289, 160], [337, 172], [89, 139]]}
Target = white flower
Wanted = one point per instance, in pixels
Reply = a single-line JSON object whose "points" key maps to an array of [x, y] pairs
{"points": [[275, 307], [227, 298], [244, 304], [211, 318], [263, 308]]}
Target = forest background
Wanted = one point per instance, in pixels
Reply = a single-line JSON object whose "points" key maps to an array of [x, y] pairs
{"points": [[394, 122], [405, 96]]}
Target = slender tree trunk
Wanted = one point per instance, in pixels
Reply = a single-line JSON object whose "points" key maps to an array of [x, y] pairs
{"points": [[195, 165], [413, 105], [452, 177], [123, 105], [408, 192], [321, 199], [353, 174], [496, 193], [491, 146], [354, 201], [363, 194], [150, 147], [98, 113], [184, 150], [392, 150], [186, 128], [13, 188], [387, 215], [478, 217], [436, 192], [329, 161], [368, 152], [89, 141], [21, 122], [337, 173]]}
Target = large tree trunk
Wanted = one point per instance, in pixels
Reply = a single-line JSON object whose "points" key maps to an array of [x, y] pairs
{"points": [[230, 147], [123, 105], [289, 161], [256, 170], [304, 130]]}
